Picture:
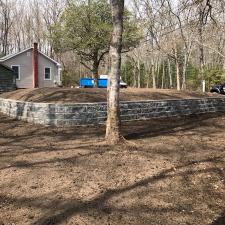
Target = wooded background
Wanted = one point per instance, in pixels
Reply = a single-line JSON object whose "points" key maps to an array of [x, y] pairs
{"points": [[168, 44]]}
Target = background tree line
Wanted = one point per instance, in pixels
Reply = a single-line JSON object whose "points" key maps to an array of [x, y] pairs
{"points": [[167, 44]]}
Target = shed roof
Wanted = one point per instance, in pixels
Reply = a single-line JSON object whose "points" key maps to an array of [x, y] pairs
{"points": [[5, 58], [6, 67]]}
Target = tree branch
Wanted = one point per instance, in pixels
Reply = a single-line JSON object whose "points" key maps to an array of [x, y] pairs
{"points": [[85, 65]]}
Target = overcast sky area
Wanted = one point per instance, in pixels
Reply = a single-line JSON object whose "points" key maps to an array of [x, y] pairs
{"points": [[128, 3]]}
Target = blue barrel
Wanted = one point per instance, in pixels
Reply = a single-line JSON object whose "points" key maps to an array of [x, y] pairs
{"points": [[87, 82], [102, 83]]}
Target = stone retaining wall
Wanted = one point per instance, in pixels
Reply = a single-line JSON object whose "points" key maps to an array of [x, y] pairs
{"points": [[64, 115]]}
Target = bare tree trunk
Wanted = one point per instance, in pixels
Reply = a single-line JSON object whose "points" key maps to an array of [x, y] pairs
{"points": [[201, 41], [201, 58], [186, 60], [139, 73], [148, 74], [177, 68], [95, 66], [80, 71], [170, 75], [134, 77], [163, 74], [153, 75], [125, 73], [113, 120], [184, 72], [178, 75], [157, 73]]}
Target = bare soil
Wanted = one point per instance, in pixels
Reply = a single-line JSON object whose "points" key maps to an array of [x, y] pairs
{"points": [[76, 95], [168, 172]]}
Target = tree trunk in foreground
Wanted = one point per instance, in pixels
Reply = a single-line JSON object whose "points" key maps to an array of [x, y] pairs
{"points": [[113, 121]]}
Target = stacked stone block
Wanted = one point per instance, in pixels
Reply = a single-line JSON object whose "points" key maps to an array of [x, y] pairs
{"points": [[66, 115]]}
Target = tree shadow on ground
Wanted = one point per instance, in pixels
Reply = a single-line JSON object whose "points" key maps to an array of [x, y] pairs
{"points": [[64, 210], [11, 133], [141, 129], [166, 126], [130, 130], [73, 207], [69, 160], [220, 220]]}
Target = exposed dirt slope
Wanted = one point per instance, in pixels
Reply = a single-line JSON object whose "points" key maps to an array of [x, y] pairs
{"points": [[67, 95], [169, 172]]}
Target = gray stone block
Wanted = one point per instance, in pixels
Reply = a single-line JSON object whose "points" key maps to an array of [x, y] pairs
{"points": [[64, 115]]}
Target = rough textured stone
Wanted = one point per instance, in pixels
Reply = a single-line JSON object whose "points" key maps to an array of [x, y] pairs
{"points": [[65, 115]]}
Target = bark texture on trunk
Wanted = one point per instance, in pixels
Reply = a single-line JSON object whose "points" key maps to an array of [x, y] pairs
{"points": [[184, 72], [170, 74], [177, 68], [113, 121], [134, 76], [153, 76], [95, 72], [201, 41], [139, 73], [163, 74]]}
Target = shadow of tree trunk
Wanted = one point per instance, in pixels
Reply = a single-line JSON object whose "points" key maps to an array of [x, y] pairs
{"points": [[220, 220]]}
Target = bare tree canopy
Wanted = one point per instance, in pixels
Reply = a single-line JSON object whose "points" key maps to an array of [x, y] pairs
{"points": [[182, 42]]}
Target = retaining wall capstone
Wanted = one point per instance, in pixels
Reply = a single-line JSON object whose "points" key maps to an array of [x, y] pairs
{"points": [[66, 115]]}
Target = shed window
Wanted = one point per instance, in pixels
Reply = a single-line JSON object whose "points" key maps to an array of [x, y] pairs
{"points": [[16, 69], [47, 73]]}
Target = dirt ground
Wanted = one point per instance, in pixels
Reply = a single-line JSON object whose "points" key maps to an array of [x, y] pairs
{"points": [[66, 95], [168, 172]]}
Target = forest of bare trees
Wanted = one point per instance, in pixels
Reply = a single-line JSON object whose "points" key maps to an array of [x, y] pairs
{"points": [[181, 42], [184, 43]]}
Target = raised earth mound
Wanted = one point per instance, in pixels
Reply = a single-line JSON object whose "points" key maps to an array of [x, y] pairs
{"points": [[79, 95]]}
